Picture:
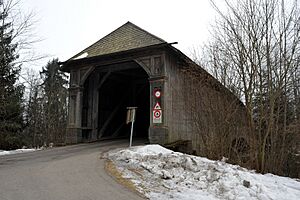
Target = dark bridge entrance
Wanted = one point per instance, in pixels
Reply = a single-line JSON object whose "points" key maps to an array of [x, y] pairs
{"points": [[107, 92]]}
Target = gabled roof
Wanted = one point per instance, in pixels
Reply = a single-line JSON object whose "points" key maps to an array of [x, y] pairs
{"points": [[126, 37]]}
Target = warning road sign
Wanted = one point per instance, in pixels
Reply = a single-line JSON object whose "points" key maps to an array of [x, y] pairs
{"points": [[157, 106]]}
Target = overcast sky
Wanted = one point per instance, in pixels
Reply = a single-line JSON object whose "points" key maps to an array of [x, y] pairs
{"points": [[69, 26]]}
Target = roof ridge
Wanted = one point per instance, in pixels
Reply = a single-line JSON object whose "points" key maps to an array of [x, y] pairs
{"points": [[112, 32], [145, 31], [81, 52]]}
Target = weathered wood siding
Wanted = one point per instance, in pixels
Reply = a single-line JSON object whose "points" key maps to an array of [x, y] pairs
{"points": [[176, 112], [200, 109]]}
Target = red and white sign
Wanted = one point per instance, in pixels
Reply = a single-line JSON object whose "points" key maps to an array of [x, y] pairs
{"points": [[157, 93], [157, 116], [157, 106], [157, 113]]}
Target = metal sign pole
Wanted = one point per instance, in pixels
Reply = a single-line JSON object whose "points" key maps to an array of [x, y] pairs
{"points": [[131, 132], [131, 118]]}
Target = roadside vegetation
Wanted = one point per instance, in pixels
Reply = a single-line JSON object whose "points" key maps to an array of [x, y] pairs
{"points": [[255, 53], [33, 108]]}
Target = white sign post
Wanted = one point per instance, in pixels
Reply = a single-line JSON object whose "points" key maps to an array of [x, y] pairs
{"points": [[131, 113]]}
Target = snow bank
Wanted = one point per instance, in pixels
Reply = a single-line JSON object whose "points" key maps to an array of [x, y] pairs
{"points": [[2, 153], [163, 174], [154, 149]]}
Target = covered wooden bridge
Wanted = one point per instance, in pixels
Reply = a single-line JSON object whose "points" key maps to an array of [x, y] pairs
{"points": [[131, 67]]}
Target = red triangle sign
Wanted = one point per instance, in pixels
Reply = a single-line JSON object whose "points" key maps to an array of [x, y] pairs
{"points": [[157, 106]]}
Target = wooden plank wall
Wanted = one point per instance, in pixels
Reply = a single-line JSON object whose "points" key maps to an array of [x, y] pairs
{"points": [[199, 109]]}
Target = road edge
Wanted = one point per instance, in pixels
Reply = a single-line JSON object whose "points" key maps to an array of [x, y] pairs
{"points": [[111, 169]]}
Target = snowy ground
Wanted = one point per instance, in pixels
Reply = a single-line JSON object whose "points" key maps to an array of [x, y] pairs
{"points": [[2, 152], [163, 174]]}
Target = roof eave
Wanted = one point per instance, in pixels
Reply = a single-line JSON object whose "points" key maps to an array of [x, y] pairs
{"points": [[67, 65]]}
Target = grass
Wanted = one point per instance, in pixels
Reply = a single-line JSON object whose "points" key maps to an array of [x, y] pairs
{"points": [[114, 172]]}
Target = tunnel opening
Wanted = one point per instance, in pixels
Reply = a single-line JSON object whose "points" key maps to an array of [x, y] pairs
{"points": [[118, 87]]}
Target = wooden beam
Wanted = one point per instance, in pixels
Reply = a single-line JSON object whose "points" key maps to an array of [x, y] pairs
{"points": [[124, 73], [109, 119], [118, 130], [86, 75], [118, 67], [103, 80], [141, 89]]}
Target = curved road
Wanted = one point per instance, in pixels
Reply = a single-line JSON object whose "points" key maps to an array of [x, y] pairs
{"points": [[65, 173]]}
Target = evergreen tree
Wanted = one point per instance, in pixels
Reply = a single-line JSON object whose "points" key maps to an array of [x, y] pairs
{"points": [[55, 102], [10, 93]]}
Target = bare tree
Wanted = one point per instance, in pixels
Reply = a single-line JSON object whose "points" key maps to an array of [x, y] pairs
{"points": [[216, 119], [46, 108], [55, 102], [255, 53], [34, 110]]}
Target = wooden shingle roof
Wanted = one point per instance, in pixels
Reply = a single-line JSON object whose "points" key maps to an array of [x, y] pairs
{"points": [[126, 37]]}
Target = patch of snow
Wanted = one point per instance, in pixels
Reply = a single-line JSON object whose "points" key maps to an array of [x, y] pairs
{"points": [[153, 149], [84, 55], [160, 173], [2, 152]]}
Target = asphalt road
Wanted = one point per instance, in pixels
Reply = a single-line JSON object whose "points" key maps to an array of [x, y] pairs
{"points": [[65, 173]]}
